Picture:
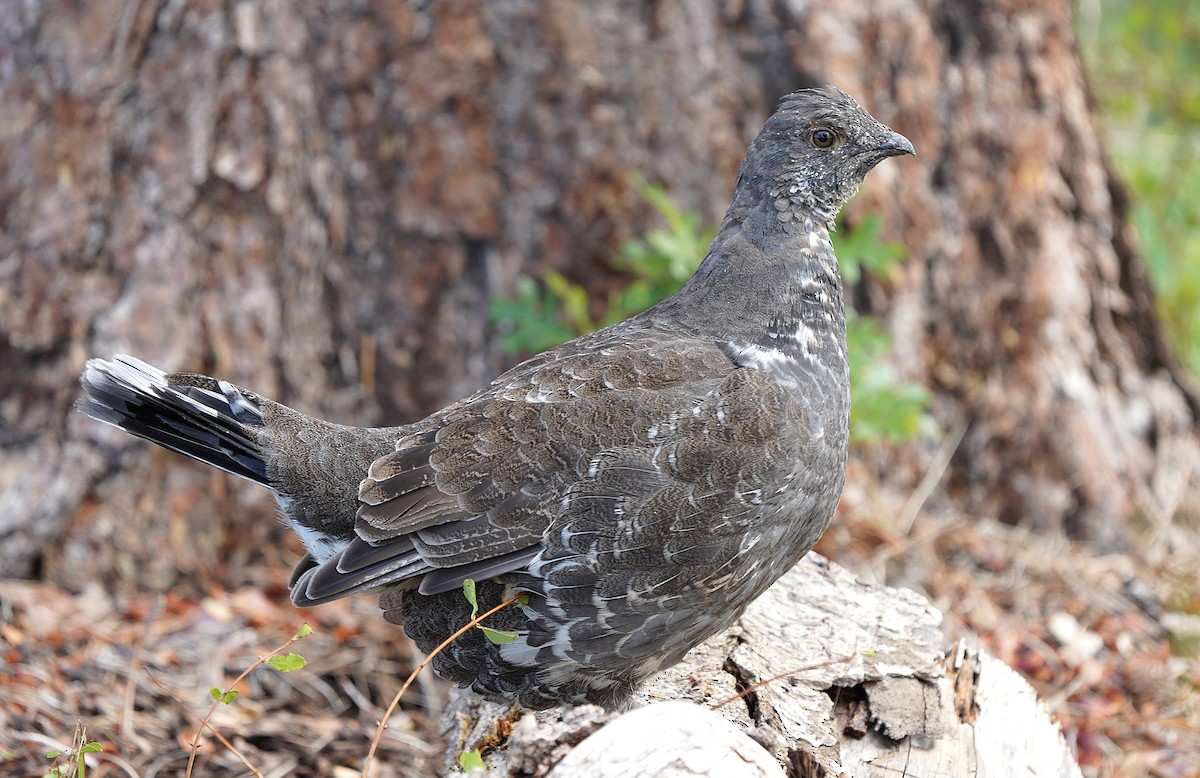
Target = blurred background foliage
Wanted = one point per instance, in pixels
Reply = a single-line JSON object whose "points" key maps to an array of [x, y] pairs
{"points": [[884, 405], [1143, 61]]}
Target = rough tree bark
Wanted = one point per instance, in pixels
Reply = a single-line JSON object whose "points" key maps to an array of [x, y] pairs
{"points": [[317, 201]]}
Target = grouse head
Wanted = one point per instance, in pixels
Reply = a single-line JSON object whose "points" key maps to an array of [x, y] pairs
{"points": [[815, 151]]}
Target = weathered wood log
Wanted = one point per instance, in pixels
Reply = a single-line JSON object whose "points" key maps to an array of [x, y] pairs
{"points": [[824, 675]]}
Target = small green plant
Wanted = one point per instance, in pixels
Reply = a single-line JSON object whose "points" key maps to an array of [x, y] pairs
{"points": [[498, 636], [660, 261], [474, 622], [472, 760], [285, 663], [538, 317], [884, 407], [74, 765], [543, 315], [862, 251]]}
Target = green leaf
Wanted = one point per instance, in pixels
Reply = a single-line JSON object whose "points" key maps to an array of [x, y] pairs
{"points": [[287, 663], [531, 322], [303, 632], [220, 695], [860, 251], [884, 407], [573, 300], [53, 754], [471, 761], [523, 599], [499, 637], [543, 315], [469, 593], [92, 747]]}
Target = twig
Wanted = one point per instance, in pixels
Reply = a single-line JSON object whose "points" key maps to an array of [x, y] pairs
{"points": [[933, 475], [188, 713], [413, 676], [781, 676], [131, 682], [213, 709]]}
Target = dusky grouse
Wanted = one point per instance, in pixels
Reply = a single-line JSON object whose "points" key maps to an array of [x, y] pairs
{"points": [[642, 484]]}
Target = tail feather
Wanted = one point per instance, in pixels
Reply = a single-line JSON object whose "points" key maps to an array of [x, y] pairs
{"points": [[205, 419]]}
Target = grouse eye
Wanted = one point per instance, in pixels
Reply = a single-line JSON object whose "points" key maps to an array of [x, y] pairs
{"points": [[821, 138]]}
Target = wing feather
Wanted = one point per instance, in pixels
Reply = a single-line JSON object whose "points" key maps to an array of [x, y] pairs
{"points": [[588, 452]]}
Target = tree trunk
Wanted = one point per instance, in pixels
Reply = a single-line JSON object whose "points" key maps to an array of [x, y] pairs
{"points": [[318, 203]]}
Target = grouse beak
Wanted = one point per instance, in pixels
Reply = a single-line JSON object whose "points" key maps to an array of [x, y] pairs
{"points": [[896, 145]]}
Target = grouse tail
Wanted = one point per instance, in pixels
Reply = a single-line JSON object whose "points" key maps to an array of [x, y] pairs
{"points": [[206, 419]]}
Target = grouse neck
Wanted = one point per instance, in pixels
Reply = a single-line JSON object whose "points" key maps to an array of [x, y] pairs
{"points": [[766, 285]]}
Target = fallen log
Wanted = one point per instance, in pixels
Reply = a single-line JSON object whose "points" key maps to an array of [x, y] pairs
{"points": [[824, 675]]}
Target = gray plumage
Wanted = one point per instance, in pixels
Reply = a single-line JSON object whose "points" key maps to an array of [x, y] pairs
{"points": [[641, 484]]}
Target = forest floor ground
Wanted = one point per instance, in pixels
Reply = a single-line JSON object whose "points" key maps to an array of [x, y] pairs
{"points": [[1098, 635]]}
